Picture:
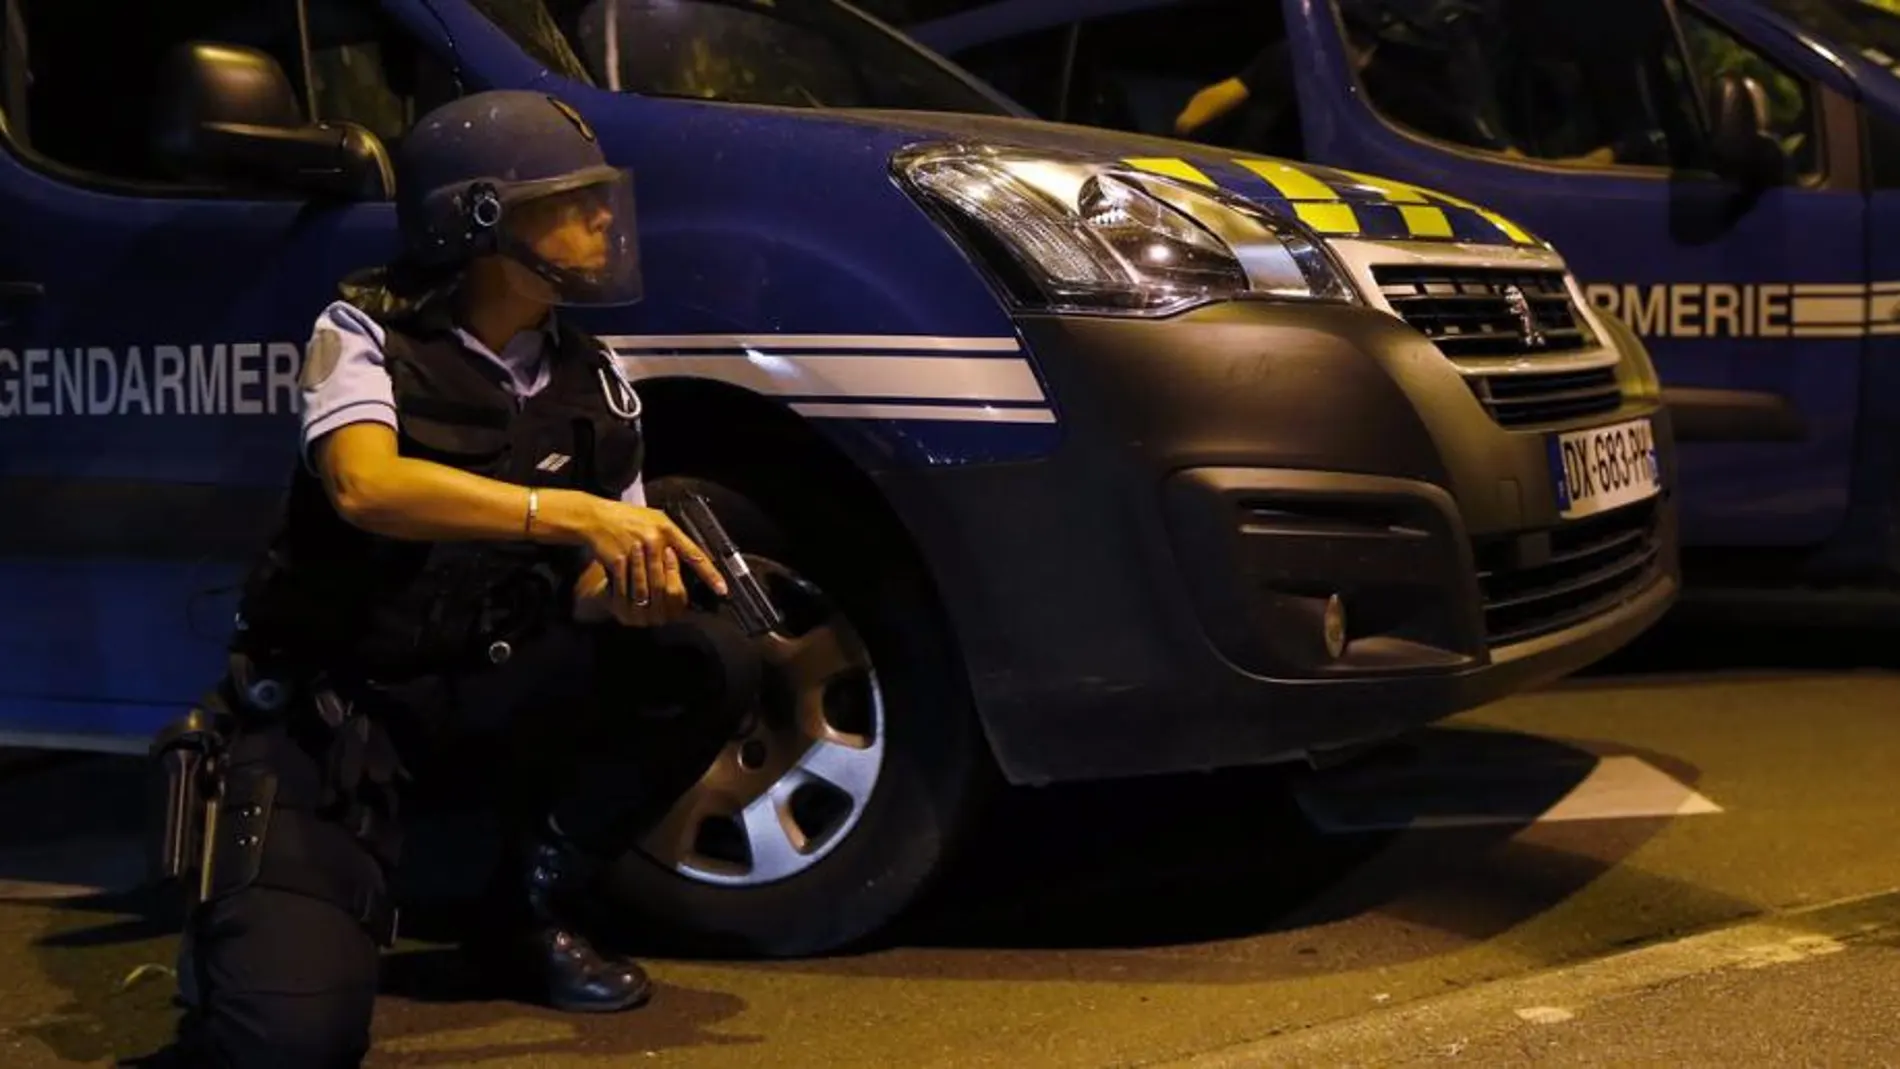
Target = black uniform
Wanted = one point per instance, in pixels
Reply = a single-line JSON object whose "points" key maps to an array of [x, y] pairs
{"points": [[359, 656], [360, 659]]}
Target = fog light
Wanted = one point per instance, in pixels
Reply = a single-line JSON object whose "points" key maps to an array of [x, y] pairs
{"points": [[1334, 625]]}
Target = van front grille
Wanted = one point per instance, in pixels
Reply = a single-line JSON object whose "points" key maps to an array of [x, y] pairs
{"points": [[1478, 311], [1545, 581], [1534, 398]]}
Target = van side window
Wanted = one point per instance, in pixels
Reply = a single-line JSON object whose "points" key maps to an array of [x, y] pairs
{"points": [[1601, 84], [82, 75], [904, 14], [1140, 72], [80, 99], [1714, 52], [365, 68], [533, 26], [789, 53], [1028, 69], [1883, 150], [15, 74]]}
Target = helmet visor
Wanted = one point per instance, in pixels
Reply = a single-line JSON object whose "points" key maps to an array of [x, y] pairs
{"points": [[575, 236]]}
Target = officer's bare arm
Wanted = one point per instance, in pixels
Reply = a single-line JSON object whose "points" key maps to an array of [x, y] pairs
{"points": [[376, 488]]}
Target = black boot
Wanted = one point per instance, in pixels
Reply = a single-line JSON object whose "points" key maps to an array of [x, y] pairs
{"points": [[541, 954]]}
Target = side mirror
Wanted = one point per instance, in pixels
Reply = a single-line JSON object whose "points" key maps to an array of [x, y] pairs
{"points": [[227, 115], [1745, 148]]}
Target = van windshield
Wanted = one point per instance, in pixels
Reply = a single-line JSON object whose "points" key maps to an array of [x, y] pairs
{"points": [[1587, 84], [796, 53], [1869, 29]]}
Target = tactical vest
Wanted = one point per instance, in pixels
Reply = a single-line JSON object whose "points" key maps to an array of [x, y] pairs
{"points": [[332, 597]]}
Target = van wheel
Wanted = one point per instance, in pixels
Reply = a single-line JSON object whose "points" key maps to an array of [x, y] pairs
{"points": [[837, 801]]}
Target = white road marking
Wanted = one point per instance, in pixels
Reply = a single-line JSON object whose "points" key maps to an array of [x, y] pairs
{"points": [[1787, 951], [1786, 938], [1615, 788], [1628, 787]]}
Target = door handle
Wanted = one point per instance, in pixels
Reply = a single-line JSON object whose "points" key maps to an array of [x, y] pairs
{"points": [[21, 291]]}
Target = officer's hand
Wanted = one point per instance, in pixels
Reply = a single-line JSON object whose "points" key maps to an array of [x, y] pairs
{"points": [[596, 602], [669, 600], [632, 544]]}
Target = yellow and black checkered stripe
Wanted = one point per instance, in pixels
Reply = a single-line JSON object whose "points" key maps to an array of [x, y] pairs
{"points": [[1339, 203]]}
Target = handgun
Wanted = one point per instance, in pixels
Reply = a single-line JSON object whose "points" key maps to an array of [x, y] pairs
{"points": [[753, 606]]}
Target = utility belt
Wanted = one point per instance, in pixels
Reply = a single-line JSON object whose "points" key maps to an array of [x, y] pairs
{"points": [[239, 808], [467, 608]]}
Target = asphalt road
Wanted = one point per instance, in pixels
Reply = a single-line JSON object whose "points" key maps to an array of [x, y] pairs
{"points": [[1590, 873]]}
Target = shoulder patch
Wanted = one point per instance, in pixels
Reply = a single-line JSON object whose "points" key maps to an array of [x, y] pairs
{"points": [[320, 358]]}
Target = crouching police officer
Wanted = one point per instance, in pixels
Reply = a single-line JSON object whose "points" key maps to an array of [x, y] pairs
{"points": [[469, 490]]}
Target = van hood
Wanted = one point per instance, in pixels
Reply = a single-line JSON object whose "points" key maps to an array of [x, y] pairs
{"points": [[1330, 202]]}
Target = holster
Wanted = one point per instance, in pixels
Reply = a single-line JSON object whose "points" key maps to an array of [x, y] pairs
{"points": [[190, 753], [193, 754], [229, 821]]}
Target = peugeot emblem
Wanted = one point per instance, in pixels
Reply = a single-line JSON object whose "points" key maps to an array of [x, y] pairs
{"points": [[1520, 307]]}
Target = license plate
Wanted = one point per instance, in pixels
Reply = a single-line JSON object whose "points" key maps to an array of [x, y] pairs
{"points": [[1603, 468]]}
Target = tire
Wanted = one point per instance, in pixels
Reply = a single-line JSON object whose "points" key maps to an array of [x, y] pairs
{"points": [[926, 785]]}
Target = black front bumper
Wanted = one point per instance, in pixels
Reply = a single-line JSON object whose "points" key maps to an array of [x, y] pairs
{"points": [[1148, 598]]}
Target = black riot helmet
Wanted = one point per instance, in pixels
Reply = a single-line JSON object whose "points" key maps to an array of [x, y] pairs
{"points": [[520, 175]]}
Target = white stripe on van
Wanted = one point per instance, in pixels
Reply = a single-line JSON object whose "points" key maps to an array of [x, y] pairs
{"points": [[768, 342], [827, 376], [1751, 310], [951, 413], [1830, 311]]}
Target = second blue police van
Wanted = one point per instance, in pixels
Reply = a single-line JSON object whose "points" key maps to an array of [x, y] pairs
{"points": [[1719, 173], [1073, 453]]}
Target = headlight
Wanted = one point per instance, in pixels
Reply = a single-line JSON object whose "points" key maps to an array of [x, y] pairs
{"points": [[1082, 236]]}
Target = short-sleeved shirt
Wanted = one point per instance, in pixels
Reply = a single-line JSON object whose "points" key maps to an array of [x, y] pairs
{"points": [[347, 379]]}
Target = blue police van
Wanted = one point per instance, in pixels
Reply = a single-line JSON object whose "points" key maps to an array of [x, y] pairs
{"points": [[1717, 172], [1073, 453]]}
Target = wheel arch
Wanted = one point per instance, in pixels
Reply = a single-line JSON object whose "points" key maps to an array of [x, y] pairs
{"points": [[727, 432]]}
